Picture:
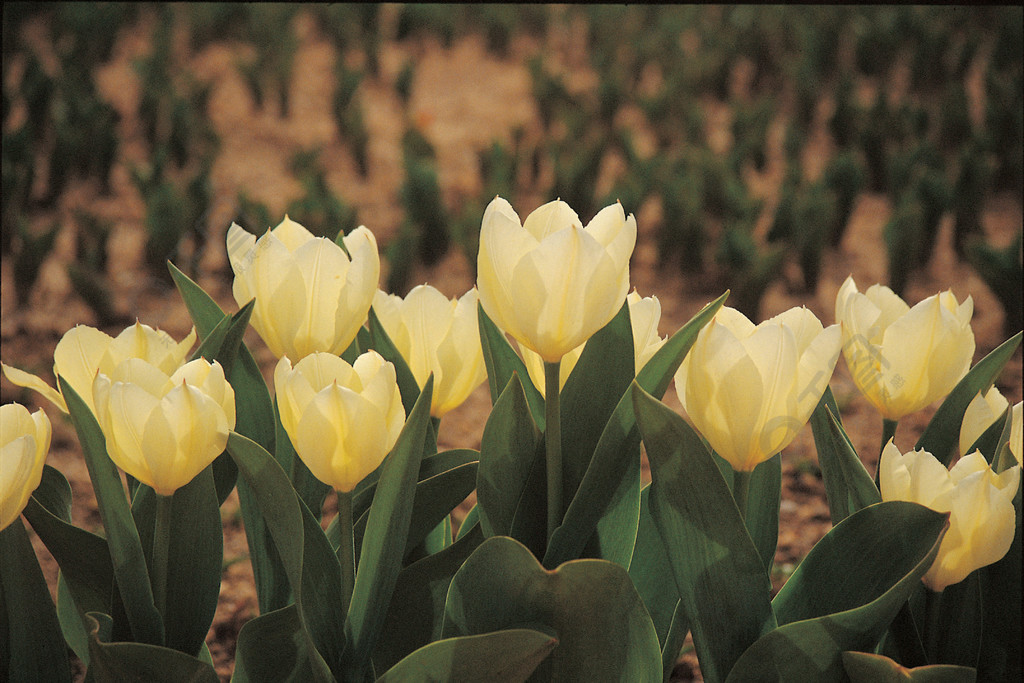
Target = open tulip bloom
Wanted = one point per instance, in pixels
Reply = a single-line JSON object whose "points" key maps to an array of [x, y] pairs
{"points": [[24, 442]]}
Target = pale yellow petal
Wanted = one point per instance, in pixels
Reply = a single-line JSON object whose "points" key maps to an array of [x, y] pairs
{"points": [[30, 381], [551, 218]]}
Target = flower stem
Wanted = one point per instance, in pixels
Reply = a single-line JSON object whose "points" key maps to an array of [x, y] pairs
{"points": [[553, 444], [888, 432], [161, 546], [740, 490], [346, 549]]}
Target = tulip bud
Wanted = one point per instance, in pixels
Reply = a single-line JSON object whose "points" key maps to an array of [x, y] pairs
{"points": [[749, 389], [981, 413], [24, 442], [84, 350], [310, 296], [439, 336], [904, 358], [644, 316], [1016, 433], [550, 282], [980, 502], [164, 429], [342, 419]]}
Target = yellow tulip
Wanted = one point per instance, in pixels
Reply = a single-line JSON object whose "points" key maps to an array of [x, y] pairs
{"points": [[548, 281], [164, 429], [904, 358], [342, 419], [436, 335], [24, 442], [749, 389], [982, 411], [310, 296], [980, 503], [644, 316], [84, 350], [1016, 433]]}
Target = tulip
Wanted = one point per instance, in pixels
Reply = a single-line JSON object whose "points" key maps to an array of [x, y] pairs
{"points": [[83, 351], [981, 413], [1016, 433], [644, 316], [749, 389], [979, 502], [904, 358], [342, 419], [164, 429], [310, 295], [550, 282], [24, 442], [436, 335]]}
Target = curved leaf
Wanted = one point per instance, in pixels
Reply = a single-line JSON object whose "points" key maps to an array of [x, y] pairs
{"points": [[502, 362], [271, 647], [509, 655], [603, 630], [866, 667], [140, 662], [382, 344]]}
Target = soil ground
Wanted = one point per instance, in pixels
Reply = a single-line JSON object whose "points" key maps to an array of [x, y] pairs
{"points": [[462, 99]]}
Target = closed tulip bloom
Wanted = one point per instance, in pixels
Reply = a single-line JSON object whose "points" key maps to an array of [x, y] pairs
{"points": [[84, 350], [342, 419], [24, 442], [981, 413], [1016, 432], [981, 520], [310, 296], [644, 316], [549, 282], [164, 429], [749, 389], [436, 335], [903, 358]]}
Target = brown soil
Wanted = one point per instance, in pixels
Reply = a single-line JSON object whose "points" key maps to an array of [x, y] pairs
{"points": [[462, 99]]}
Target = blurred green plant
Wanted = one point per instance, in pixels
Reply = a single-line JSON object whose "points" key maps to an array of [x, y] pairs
{"points": [[319, 209], [1001, 270]]}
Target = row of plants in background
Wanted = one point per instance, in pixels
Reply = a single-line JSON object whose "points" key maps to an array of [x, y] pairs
{"points": [[567, 567]]}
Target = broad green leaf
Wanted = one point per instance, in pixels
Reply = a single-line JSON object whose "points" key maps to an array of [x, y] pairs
{"points": [[382, 344], [255, 420], [607, 500], [271, 647], [139, 662], [282, 511], [1001, 601], [602, 375], [416, 610], [845, 593], [590, 606], [510, 655], [955, 623], [384, 542], [502, 362], [471, 520], [195, 554], [126, 554], [224, 340], [989, 441], [866, 667], [717, 569], [836, 490], [764, 495], [34, 649], [679, 627], [508, 448], [845, 470], [943, 431]]}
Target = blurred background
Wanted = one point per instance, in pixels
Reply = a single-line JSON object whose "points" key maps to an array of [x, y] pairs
{"points": [[769, 150]]}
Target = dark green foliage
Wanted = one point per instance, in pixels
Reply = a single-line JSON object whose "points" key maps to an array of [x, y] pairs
{"points": [[1002, 271], [348, 114], [969, 193], [34, 248], [815, 214], [319, 209], [421, 197], [904, 239], [844, 122], [403, 82], [252, 215], [845, 176], [955, 120], [874, 141], [1004, 123]]}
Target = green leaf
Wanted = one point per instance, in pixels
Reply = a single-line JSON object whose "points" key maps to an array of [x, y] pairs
{"points": [[943, 431], [764, 495], [718, 571], [590, 606], [602, 375], [607, 500], [311, 490], [508, 447], [34, 649], [416, 610], [126, 554], [382, 344], [472, 519], [384, 543], [275, 499], [139, 662], [510, 655], [502, 362], [649, 567], [845, 593], [866, 667], [271, 647], [1001, 600], [955, 624], [848, 485]]}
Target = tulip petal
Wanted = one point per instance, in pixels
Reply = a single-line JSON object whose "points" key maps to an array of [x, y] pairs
{"points": [[30, 381], [77, 356], [551, 218]]}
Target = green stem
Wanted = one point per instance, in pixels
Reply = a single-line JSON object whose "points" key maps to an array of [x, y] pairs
{"points": [[161, 546], [888, 432], [553, 444], [346, 548], [740, 491], [933, 624]]}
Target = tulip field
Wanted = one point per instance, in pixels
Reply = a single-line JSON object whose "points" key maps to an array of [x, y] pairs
{"points": [[416, 342]]}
